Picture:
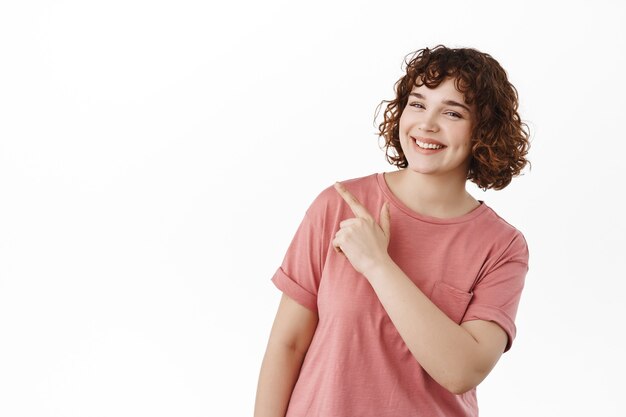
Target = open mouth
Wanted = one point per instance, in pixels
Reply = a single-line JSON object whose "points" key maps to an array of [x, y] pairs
{"points": [[427, 146]]}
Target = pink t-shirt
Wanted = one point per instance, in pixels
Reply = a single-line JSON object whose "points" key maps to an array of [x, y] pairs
{"points": [[472, 267]]}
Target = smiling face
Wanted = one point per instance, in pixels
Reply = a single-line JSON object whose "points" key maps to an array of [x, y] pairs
{"points": [[435, 131]]}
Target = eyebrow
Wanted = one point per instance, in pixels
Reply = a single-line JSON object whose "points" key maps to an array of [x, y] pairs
{"points": [[448, 102]]}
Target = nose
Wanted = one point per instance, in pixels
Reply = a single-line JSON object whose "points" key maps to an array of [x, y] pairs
{"points": [[428, 122]]}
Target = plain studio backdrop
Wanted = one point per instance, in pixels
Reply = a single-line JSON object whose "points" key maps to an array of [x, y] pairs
{"points": [[156, 158]]}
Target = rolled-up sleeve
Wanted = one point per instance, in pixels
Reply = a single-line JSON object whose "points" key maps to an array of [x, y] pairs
{"points": [[496, 296], [301, 270]]}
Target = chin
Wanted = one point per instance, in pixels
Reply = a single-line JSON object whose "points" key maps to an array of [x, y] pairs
{"points": [[421, 169]]}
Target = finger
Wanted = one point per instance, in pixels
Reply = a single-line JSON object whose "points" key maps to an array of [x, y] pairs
{"points": [[336, 246], [385, 219], [348, 222], [355, 205]]}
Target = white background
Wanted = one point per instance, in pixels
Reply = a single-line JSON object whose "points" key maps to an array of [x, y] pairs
{"points": [[156, 158]]}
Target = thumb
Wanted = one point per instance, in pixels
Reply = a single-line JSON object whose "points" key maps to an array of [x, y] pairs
{"points": [[385, 219]]}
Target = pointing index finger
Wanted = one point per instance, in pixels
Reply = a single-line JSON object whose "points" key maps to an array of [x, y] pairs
{"points": [[355, 205]]}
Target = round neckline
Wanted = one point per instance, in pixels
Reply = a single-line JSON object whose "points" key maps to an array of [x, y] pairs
{"points": [[382, 183]]}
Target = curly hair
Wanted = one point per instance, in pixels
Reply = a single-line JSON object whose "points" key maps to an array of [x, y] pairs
{"points": [[500, 140]]}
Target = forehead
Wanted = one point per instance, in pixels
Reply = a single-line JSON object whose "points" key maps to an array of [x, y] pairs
{"points": [[447, 89]]}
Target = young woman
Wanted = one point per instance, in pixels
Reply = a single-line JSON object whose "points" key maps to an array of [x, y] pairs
{"points": [[400, 289]]}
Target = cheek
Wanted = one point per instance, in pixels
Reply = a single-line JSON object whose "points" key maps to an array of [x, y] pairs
{"points": [[467, 149], [402, 121], [464, 134]]}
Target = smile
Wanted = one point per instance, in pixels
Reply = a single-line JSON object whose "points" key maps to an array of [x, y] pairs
{"points": [[427, 146]]}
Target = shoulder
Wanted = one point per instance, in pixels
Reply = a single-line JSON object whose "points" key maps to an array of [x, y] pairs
{"points": [[509, 242]]}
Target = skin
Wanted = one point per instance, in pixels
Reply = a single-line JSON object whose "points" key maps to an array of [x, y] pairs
{"points": [[289, 340], [434, 184], [458, 357]]}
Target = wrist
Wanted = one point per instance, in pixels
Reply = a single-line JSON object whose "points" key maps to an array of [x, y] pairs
{"points": [[379, 268]]}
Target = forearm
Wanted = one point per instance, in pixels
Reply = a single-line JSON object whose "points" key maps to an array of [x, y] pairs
{"points": [[446, 351], [279, 372]]}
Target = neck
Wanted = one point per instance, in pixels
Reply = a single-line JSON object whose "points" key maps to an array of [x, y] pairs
{"points": [[432, 195]]}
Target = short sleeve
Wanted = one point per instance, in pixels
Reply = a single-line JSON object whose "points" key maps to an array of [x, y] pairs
{"points": [[300, 272], [497, 295]]}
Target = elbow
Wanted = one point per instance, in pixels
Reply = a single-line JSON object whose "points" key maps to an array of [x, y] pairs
{"points": [[459, 388], [463, 383]]}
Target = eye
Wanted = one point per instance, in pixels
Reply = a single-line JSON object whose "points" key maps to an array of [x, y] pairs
{"points": [[416, 105], [454, 114]]}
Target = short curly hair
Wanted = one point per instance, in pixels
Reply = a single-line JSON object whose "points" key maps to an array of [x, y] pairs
{"points": [[500, 140]]}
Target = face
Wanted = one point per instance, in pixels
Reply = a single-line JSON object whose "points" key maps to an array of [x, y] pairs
{"points": [[435, 131]]}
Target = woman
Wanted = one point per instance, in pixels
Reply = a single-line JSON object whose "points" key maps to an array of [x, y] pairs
{"points": [[405, 314]]}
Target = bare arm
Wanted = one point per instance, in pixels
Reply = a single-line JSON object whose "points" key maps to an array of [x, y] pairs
{"points": [[458, 357], [289, 341]]}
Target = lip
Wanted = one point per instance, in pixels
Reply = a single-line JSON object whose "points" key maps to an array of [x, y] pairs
{"points": [[427, 140]]}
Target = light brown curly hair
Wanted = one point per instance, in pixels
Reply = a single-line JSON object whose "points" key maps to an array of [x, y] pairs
{"points": [[500, 140]]}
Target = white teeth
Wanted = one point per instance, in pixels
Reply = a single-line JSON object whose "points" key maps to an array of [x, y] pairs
{"points": [[428, 145]]}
